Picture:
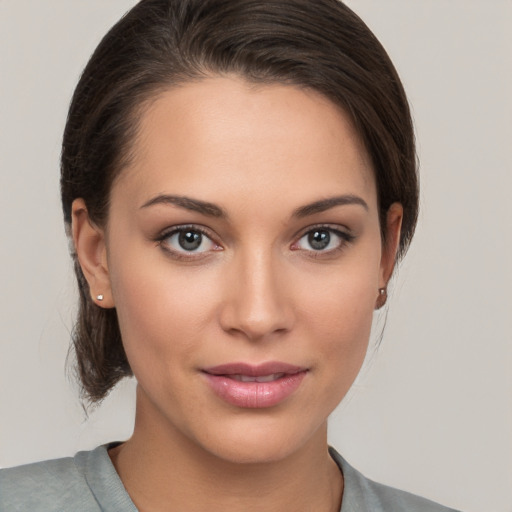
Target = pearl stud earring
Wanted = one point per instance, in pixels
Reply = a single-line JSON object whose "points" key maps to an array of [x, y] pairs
{"points": [[382, 298]]}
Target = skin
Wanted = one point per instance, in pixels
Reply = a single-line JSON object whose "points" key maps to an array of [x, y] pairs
{"points": [[255, 291]]}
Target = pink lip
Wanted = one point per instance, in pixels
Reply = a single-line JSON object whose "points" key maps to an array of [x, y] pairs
{"points": [[254, 395]]}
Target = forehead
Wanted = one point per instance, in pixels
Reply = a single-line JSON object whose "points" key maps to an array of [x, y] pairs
{"points": [[224, 135]]}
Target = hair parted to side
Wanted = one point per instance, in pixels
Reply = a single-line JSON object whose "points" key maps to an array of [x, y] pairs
{"points": [[321, 45]]}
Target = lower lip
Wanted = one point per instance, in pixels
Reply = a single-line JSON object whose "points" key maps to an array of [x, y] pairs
{"points": [[255, 395]]}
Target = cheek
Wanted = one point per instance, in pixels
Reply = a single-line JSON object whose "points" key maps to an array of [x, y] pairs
{"points": [[340, 317], [161, 310], [345, 322], [346, 331]]}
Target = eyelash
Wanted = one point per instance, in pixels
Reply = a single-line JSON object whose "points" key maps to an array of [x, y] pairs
{"points": [[184, 255], [345, 237]]}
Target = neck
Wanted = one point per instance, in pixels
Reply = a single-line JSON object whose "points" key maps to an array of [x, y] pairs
{"points": [[164, 470]]}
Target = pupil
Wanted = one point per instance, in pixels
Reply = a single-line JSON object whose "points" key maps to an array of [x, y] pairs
{"points": [[190, 240], [319, 239]]}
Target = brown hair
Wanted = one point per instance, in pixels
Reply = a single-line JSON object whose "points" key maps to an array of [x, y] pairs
{"points": [[321, 45]]}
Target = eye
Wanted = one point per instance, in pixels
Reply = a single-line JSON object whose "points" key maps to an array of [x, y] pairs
{"points": [[323, 239], [187, 240]]}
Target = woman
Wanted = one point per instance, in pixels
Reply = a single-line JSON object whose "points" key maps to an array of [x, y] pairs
{"points": [[238, 180]]}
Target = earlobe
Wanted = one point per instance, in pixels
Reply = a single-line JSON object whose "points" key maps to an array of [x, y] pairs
{"points": [[390, 246], [90, 248]]}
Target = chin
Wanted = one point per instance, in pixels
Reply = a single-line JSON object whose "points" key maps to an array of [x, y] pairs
{"points": [[261, 442], [252, 452]]}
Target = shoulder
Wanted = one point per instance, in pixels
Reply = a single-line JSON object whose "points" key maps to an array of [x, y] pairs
{"points": [[364, 495], [50, 486]]}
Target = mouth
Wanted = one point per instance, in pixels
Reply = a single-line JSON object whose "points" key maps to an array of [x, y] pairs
{"points": [[254, 386], [262, 378]]}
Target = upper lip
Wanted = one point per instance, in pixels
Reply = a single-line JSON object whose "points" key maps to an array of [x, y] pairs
{"points": [[252, 370]]}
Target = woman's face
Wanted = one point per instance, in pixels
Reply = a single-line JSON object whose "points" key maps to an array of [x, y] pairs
{"points": [[244, 257]]}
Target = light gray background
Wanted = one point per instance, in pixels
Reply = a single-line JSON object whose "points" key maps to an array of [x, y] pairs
{"points": [[432, 413]]}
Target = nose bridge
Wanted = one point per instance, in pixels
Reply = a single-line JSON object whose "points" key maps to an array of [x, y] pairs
{"points": [[257, 304]]}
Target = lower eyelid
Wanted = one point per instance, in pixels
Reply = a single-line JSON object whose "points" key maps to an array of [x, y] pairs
{"points": [[344, 237], [184, 254]]}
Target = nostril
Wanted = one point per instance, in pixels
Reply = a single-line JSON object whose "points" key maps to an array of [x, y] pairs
{"points": [[256, 325]]}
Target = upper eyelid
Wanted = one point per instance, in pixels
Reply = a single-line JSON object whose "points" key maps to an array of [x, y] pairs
{"points": [[183, 255], [167, 232], [345, 235], [335, 228], [339, 229]]}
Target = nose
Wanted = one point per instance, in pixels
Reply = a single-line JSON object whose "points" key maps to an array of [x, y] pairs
{"points": [[257, 304]]}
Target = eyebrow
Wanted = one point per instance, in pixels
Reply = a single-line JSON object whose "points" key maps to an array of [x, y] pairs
{"points": [[327, 204], [212, 210], [195, 205]]}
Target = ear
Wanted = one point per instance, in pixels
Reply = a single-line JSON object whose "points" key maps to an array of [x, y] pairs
{"points": [[394, 218], [91, 251]]}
